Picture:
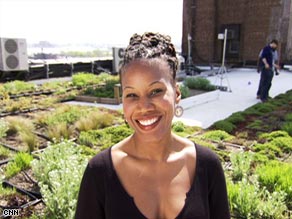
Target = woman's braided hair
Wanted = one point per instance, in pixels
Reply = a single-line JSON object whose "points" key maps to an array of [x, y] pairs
{"points": [[149, 46]]}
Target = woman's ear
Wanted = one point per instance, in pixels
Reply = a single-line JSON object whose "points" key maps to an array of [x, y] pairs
{"points": [[178, 94]]}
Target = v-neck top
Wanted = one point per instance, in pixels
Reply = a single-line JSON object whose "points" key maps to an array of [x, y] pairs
{"points": [[102, 195]]}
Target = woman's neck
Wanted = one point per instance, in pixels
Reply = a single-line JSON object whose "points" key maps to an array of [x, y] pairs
{"points": [[154, 150]]}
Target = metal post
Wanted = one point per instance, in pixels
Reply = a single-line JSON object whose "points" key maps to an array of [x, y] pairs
{"points": [[224, 48]]}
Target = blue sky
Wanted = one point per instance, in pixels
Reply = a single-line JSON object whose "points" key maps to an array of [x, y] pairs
{"points": [[92, 21]]}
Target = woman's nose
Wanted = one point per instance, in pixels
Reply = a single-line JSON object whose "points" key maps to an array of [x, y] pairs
{"points": [[145, 104]]}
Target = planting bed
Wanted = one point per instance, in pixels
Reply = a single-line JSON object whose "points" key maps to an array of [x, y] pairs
{"points": [[44, 153]]}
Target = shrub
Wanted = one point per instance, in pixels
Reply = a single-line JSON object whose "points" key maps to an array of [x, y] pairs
{"points": [[185, 91], [199, 83], [20, 162], [59, 171], [217, 135], [224, 126]]}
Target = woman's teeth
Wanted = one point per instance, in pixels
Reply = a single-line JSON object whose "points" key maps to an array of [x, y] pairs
{"points": [[148, 121]]}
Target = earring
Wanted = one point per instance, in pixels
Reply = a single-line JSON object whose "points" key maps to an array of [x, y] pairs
{"points": [[178, 111]]}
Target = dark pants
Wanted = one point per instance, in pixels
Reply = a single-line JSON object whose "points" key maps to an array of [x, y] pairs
{"points": [[265, 83]]}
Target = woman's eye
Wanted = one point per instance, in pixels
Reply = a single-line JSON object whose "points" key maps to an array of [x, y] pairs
{"points": [[131, 95], [155, 92]]}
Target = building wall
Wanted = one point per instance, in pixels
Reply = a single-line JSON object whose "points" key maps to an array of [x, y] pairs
{"points": [[259, 22]]}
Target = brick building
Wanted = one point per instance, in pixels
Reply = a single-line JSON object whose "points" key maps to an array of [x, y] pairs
{"points": [[251, 24]]}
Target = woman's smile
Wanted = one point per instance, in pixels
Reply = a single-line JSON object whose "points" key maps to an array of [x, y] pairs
{"points": [[149, 123]]}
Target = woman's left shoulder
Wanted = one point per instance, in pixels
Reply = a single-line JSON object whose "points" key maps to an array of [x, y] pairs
{"points": [[207, 156]]}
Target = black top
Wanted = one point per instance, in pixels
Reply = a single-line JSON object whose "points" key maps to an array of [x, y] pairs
{"points": [[268, 54], [102, 195]]}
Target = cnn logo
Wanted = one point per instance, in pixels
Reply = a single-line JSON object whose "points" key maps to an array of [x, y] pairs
{"points": [[11, 212]]}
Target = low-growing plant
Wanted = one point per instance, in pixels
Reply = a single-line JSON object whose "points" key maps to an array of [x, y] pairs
{"points": [[60, 131], [20, 162], [217, 135], [184, 130], [224, 126], [288, 117], [270, 150], [272, 135], [21, 104], [259, 109], [3, 128], [82, 79], [62, 114], [236, 118], [15, 87], [278, 139], [29, 139], [277, 176], [251, 201], [4, 152], [287, 127], [284, 143], [103, 91], [95, 120], [241, 165], [257, 125], [18, 123], [59, 171], [5, 191], [106, 137]]}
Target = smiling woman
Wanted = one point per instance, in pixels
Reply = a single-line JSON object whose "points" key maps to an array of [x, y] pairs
{"points": [[153, 173]]}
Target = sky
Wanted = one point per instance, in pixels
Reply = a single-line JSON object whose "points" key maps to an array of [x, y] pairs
{"points": [[89, 21]]}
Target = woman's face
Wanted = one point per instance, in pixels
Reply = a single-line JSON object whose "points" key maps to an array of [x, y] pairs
{"points": [[149, 98]]}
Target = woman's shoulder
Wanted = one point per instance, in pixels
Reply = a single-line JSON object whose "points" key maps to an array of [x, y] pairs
{"points": [[100, 160], [206, 156]]}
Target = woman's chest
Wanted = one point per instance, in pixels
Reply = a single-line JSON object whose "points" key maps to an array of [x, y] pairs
{"points": [[158, 190]]}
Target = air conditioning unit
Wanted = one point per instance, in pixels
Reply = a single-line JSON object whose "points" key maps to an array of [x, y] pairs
{"points": [[13, 54]]}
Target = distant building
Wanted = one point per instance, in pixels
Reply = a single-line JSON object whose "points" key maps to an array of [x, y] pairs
{"points": [[251, 24]]}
